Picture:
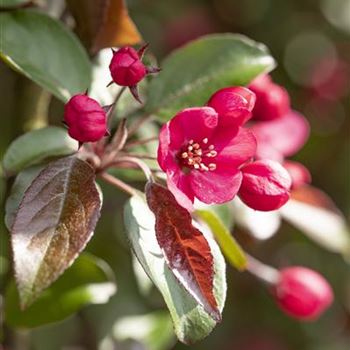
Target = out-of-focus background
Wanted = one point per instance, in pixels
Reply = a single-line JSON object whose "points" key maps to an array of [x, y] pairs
{"points": [[310, 41]]}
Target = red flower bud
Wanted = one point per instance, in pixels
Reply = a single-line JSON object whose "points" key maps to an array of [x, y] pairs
{"points": [[299, 173], [85, 118], [126, 67], [302, 293], [272, 100], [265, 185], [233, 104]]}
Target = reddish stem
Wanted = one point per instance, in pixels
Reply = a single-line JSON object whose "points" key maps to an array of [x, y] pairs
{"points": [[140, 142], [118, 183], [264, 272]]}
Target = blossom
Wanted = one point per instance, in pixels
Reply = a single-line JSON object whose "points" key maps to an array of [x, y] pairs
{"points": [[265, 185], [85, 118], [302, 293], [279, 130], [201, 157], [281, 137], [272, 100], [126, 67]]}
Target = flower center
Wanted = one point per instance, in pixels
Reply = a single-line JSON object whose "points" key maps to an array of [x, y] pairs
{"points": [[198, 155]]}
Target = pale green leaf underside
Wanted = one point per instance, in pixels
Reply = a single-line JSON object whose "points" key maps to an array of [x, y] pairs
{"points": [[190, 321]]}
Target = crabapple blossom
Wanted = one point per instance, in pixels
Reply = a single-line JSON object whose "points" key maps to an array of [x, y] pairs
{"points": [[201, 157], [85, 118], [272, 100], [265, 185], [279, 130], [281, 137], [302, 293]]}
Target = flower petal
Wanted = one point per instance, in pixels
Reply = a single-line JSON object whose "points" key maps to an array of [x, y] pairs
{"points": [[234, 146], [215, 186], [265, 185], [192, 124], [286, 135], [179, 185], [163, 148], [233, 104]]}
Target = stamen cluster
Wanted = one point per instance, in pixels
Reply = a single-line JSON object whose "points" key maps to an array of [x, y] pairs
{"points": [[194, 155]]}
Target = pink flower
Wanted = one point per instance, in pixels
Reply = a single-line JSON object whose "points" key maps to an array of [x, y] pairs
{"points": [[280, 131], [265, 185], [302, 293], [126, 67], [281, 137], [299, 173], [272, 100], [233, 104], [201, 157], [85, 118]]}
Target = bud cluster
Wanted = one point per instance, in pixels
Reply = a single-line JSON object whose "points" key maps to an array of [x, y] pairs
{"points": [[85, 118]]}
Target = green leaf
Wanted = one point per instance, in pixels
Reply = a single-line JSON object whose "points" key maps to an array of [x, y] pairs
{"points": [[223, 212], [22, 182], [143, 281], [191, 74], [11, 3], [54, 222], [88, 281], [45, 51], [228, 244], [191, 322], [153, 330], [36, 146]]}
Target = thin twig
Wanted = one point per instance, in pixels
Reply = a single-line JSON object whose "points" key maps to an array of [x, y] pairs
{"points": [[141, 156], [264, 272], [100, 145], [119, 95], [142, 165], [118, 183], [117, 142], [140, 142]]}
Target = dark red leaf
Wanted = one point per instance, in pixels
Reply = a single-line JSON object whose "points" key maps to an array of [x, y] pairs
{"points": [[54, 222], [185, 248]]}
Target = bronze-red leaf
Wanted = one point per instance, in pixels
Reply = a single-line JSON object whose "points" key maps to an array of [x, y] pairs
{"points": [[185, 248], [54, 222]]}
